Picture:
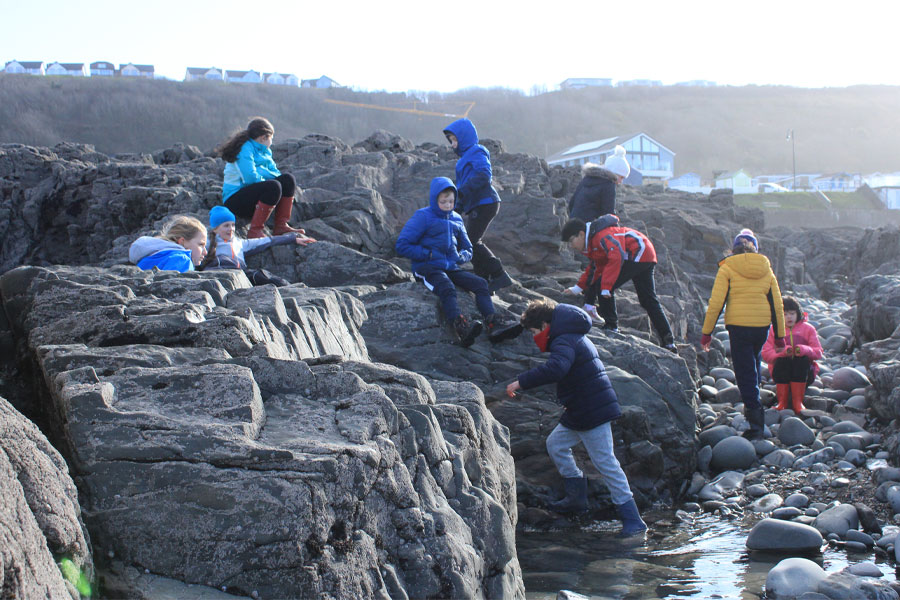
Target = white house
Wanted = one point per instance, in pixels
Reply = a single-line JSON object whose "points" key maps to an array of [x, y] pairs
{"points": [[688, 182], [251, 76], [73, 69], [645, 155], [133, 70], [577, 83], [27, 67], [739, 181], [102, 69], [887, 186], [281, 79], [321, 83], [203, 73]]}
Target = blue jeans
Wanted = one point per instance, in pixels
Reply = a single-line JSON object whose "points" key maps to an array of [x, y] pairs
{"points": [[444, 284], [599, 445], [746, 346]]}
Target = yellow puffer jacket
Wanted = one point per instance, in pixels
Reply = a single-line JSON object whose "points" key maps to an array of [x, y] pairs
{"points": [[748, 285]]}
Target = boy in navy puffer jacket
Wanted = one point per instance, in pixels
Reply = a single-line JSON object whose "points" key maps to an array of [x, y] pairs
{"points": [[477, 199], [589, 404], [435, 240]]}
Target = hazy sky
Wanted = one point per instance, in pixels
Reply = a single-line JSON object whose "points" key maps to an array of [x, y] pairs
{"points": [[445, 46]]}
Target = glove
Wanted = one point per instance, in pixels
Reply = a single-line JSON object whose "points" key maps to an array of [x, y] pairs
{"points": [[779, 343], [575, 289], [705, 339], [464, 257], [605, 293]]}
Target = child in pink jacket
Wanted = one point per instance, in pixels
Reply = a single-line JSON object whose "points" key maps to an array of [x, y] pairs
{"points": [[794, 366]]}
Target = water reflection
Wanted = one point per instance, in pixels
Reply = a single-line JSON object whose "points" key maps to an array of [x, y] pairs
{"points": [[703, 559]]}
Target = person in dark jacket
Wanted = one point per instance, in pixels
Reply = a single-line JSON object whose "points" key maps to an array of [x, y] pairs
{"points": [[477, 199], [435, 240], [589, 405], [618, 255], [595, 195]]}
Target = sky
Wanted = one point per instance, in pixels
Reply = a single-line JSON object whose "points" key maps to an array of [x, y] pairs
{"points": [[401, 45]]}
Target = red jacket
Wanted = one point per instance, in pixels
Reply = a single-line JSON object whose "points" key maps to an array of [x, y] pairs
{"points": [[802, 336], [609, 247]]}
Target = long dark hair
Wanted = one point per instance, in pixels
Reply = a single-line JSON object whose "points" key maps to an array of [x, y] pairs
{"points": [[211, 252], [258, 126]]}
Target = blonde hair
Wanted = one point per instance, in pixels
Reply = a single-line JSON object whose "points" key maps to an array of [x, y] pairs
{"points": [[182, 226]]}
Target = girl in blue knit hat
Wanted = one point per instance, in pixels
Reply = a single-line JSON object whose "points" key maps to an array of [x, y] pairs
{"points": [[229, 251]]}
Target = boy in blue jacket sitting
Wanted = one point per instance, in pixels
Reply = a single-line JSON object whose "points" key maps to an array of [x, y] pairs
{"points": [[435, 240], [477, 199], [589, 404]]}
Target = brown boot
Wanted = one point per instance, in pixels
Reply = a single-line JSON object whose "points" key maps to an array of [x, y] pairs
{"points": [[798, 391], [283, 215], [783, 392], [260, 216]]}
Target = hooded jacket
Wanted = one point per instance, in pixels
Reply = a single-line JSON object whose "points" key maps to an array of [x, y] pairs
{"points": [[746, 287], [609, 246], [233, 255], [433, 239], [582, 385], [595, 195], [473, 169], [802, 336], [254, 164], [148, 252]]}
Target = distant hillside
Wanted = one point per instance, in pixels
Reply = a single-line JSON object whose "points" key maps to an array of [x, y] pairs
{"points": [[841, 129]]}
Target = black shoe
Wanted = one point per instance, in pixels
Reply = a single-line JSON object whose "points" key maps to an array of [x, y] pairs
{"points": [[499, 282], [465, 331], [500, 329]]}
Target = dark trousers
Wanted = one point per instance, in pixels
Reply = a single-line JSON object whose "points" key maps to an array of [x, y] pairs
{"points": [[243, 202], [746, 346], [793, 368], [641, 274], [484, 263], [443, 284]]}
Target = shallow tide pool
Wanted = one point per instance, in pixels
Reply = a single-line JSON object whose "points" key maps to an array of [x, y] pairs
{"points": [[703, 559]]}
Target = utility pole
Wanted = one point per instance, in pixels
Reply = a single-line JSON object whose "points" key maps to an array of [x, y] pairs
{"points": [[790, 136]]}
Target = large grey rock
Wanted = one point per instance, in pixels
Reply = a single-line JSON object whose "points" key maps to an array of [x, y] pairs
{"points": [[848, 379], [733, 453], [845, 584], [722, 486], [794, 431], [878, 309], [714, 435], [40, 517], [775, 535], [837, 519], [793, 577]]}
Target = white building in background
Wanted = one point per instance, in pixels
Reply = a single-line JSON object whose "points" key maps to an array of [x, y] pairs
{"points": [[281, 79], [133, 70], [24, 67], [577, 83], [649, 159], [103, 68], [322, 82], [250, 76], [204, 74], [71, 69]]}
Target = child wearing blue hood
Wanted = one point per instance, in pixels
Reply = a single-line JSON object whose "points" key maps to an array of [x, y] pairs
{"points": [[180, 247], [435, 240], [477, 199], [589, 404]]}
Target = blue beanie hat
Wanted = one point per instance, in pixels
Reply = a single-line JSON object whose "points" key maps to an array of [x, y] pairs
{"points": [[748, 235], [218, 215]]}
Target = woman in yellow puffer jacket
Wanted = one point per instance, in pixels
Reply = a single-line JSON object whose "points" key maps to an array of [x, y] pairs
{"points": [[746, 287]]}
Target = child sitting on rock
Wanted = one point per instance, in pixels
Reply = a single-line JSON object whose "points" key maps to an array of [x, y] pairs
{"points": [[794, 366], [589, 404], [229, 251], [435, 240], [180, 247]]}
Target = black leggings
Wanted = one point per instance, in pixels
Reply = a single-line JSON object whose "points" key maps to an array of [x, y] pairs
{"points": [[484, 263], [243, 202], [793, 368]]}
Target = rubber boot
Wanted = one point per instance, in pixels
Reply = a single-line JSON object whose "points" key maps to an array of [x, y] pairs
{"points": [[283, 215], [576, 496], [500, 329], [798, 391], [632, 523], [783, 392], [757, 420], [465, 331], [258, 222]]}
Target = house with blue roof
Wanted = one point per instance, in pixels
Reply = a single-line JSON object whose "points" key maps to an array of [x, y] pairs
{"points": [[649, 159]]}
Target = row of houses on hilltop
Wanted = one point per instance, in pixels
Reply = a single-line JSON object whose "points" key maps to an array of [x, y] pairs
{"points": [[651, 161], [108, 69], [95, 69]]}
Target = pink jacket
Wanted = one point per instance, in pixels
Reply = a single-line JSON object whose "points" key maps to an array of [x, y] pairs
{"points": [[802, 336]]}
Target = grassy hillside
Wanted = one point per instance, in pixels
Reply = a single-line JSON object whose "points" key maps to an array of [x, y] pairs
{"points": [[809, 201], [840, 129]]}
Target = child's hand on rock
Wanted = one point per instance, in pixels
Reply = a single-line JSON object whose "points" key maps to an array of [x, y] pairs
{"points": [[512, 388], [304, 240]]}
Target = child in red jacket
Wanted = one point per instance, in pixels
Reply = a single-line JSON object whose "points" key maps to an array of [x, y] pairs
{"points": [[793, 367], [618, 255]]}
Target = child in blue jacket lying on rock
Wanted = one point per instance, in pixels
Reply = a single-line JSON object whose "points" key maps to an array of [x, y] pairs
{"points": [[180, 247], [229, 251], [589, 405], [435, 240]]}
